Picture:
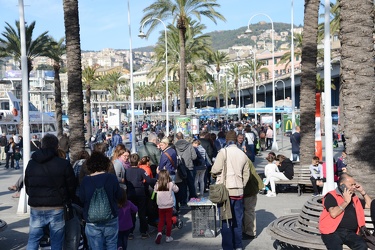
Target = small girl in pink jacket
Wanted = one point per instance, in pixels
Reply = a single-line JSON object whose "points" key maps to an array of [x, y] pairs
{"points": [[165, 200]]}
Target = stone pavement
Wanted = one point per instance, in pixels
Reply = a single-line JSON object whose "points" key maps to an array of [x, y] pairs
{"points": [[16, 234]]}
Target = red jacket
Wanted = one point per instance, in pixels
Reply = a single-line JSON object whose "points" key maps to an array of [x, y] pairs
{"points": [[328, 225]]}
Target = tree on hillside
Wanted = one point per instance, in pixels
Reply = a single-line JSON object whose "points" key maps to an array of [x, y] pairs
{"points": [[308, 80], [57, 50], [75, 96], [357, 88], [180, 12]]}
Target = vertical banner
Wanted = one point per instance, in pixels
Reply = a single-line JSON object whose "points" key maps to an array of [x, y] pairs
{"points": [[318, 134], [194, 126]]}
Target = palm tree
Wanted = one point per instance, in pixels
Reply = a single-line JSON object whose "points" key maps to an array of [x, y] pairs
{"points": [[88, 79], [236, 72], [58, 49], [308, 80], [12, 44], [180, 12], [75, 96], [218, 58], [259, 69], [287, 58], [357, 82], [112, 81], [214, 90], [334, 23]]}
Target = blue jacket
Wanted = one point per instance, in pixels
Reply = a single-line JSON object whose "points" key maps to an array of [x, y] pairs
{"points": [[165, 163]]}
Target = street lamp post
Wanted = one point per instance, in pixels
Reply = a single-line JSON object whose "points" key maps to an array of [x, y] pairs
{"points": [[292, 83], [265, 94], [274, 143], [142, 35], [134, 150], [255, 87], [283, 89], [282, 135]]}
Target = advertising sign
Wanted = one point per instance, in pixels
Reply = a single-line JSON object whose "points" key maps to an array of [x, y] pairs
{"points": [[182, 125], [287, 122], [194, 126]]}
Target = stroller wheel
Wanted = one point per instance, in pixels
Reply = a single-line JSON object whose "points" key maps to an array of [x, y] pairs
{"points": [[179, 224]]}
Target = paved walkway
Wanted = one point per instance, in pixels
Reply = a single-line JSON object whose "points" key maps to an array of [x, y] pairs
{"points": [[16, 234]]}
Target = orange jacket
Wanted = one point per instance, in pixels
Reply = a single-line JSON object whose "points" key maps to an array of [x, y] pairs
{"points": [[147, 169], [328, 225]]}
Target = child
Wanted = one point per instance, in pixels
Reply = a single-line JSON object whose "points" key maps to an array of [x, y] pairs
{"points": [[144, 163], [316, 171], [164, 187], [269, 169], [125, 223], [17, 158], [137, 194]]}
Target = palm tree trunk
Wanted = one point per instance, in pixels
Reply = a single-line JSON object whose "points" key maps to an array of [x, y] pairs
{"points": [[182, 29], [308, 81], [75, 96], [357, 93], [58, 105]]}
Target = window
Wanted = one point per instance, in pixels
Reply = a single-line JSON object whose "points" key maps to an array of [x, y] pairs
{"points": [[275, 61]]}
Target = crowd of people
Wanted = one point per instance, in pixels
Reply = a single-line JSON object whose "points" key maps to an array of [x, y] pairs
{"points": [[111, 187]]}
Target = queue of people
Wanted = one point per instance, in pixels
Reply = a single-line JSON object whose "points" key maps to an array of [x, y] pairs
{"points": [[129, 181]]}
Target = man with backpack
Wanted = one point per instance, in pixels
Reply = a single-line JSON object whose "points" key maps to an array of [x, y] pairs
{"points": [[188, 154]]}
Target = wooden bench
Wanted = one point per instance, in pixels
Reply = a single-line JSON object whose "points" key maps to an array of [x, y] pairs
{"points": [[301, 178], [301, 230]]}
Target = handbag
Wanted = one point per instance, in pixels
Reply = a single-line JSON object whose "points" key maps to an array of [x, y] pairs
{"points": [[214, 189], [68, 211], [368, 237]]}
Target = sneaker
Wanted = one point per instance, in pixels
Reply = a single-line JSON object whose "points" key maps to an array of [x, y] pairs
{"points": [[158, 238], [315, 195], [16, 195], [131, 236], [169, 239], [271, 194], [12, 188], [145, 235]]}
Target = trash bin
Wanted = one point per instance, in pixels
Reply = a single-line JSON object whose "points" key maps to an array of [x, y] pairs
{"points": [[204, 218]]}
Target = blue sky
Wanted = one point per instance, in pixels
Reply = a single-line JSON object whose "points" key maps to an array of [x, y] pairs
{"points": [[104, 23]]}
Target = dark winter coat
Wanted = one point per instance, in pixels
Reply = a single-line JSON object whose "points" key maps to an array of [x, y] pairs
{"points": [[49, 179]]}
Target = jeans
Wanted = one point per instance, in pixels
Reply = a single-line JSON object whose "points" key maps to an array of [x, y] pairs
{"points": [[199, 178], [295, 157], [231, 232], [17, 164], [102, 235], [10, 156], [2, 153], [335, 240], [39, 219], [181, 195], [190, 184]]}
